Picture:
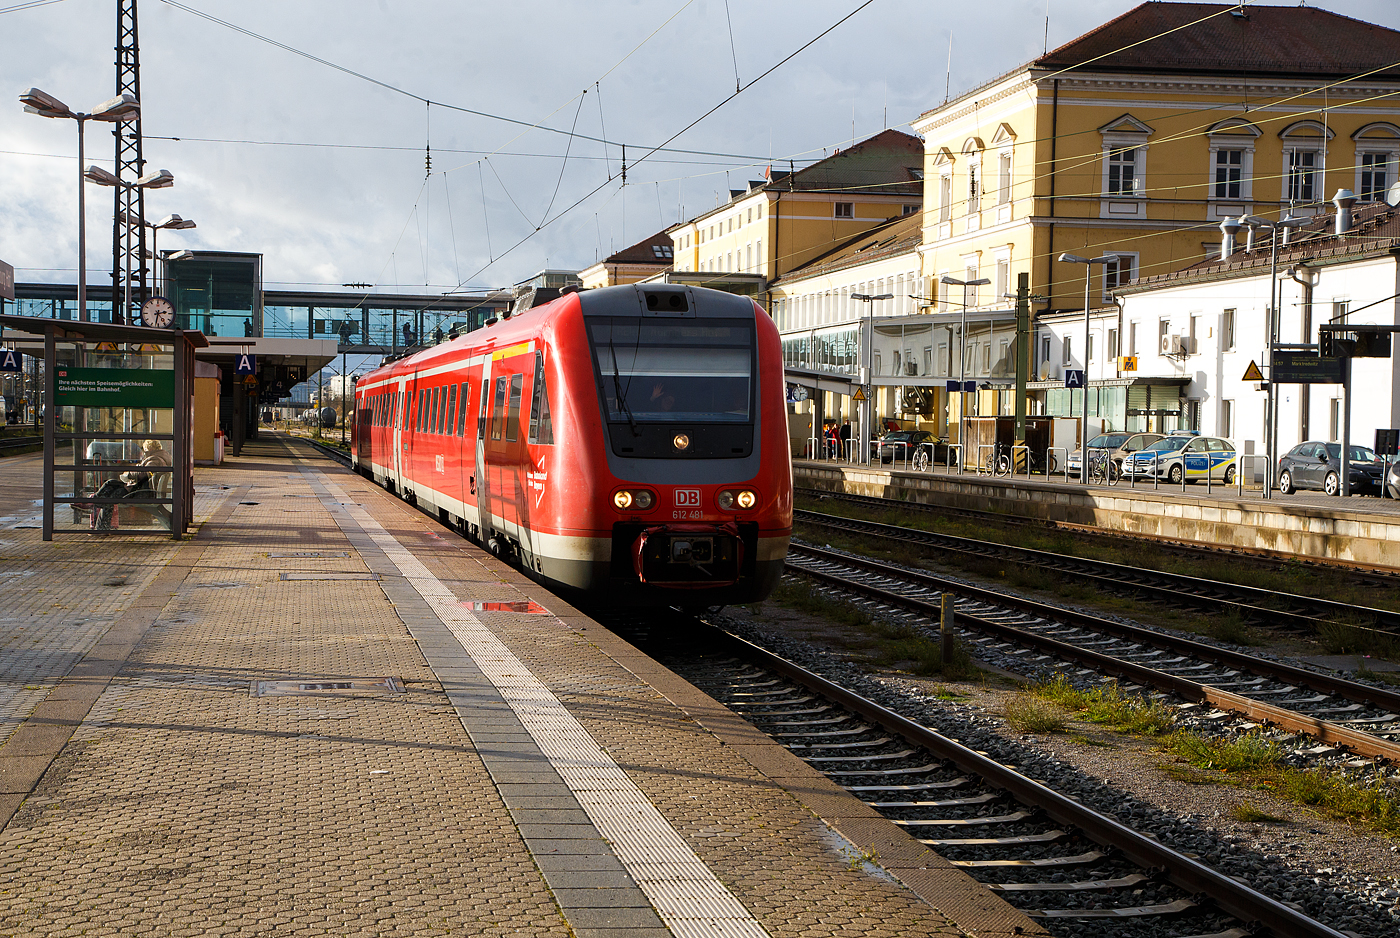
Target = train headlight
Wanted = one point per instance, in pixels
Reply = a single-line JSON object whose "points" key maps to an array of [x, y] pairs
{"points": [[742, 498], [639, 500]]}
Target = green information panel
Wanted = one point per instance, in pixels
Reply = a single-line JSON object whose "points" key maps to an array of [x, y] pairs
{"points": [[114, 387]]}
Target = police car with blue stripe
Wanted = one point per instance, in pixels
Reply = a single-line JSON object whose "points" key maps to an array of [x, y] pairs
{"points": [[1184, 455]]}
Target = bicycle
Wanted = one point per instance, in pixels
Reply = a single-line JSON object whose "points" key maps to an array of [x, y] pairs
{"points": [[1003, 462], [1101, 467]]}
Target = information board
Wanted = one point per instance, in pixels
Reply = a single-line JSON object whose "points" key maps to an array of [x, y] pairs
{"points": [[1305, 368], [114, 387]]}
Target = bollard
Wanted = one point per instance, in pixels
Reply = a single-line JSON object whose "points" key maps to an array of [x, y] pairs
{"points": [[945, 625]]}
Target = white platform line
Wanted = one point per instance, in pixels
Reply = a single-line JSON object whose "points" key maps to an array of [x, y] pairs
{"points": [[686, 894]]}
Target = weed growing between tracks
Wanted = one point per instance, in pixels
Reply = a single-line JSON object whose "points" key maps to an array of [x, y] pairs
{"points": [[1345, 638], [1106, 705], [1253, 762]]}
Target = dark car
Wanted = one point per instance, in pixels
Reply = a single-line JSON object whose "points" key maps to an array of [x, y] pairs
{"points": [[1317, 465], [901, 444]]}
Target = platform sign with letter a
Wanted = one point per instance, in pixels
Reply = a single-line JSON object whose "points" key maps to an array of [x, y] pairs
{"points": [[1074, 378], [10, 360], [245, 364]]}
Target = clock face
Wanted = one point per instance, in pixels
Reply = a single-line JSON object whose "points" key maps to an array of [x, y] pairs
{"points": [[158, 312]]}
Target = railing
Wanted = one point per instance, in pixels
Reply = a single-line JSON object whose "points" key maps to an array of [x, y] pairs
{"points": [[1050, 452], [1249, 459]]}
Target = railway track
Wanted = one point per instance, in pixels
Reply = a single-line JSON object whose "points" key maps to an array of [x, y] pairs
{"points": [[1341, 715], [1264, 606], [1073, 869], [1367, 573]]}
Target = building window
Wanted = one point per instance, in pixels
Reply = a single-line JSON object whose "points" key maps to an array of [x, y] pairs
{"points": [[1334, 421], [1302, 175], [845, 210], [1113, 343], [1227, 419], [1004, 179], [1069, 353], [1377, 173], [1089, 347], [1123, 171], [1195, 324], [974, 189], [1229, 174], [909, 209], [1227, 330], [1045, 349], [1003, 281], [1119, 273], [970, 292], [1132, 338], [1163, 325], [945, 197], [758, 248]]}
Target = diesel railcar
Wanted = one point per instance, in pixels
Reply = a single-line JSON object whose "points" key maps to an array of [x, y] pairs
{"points": [[627, 443]]}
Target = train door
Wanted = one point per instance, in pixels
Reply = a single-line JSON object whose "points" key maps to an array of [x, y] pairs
{"points": [[505, 448], [482, 474], [396, 430], [412, 414]]}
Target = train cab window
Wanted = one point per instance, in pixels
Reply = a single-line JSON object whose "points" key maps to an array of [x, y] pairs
{"points": [[462, 412], [498, 407], [451, 409], [517, 385], [664, 372], [541, 428]]}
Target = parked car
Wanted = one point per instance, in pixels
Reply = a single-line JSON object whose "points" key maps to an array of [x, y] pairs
{"points": [[1392, 480], [1181, 456], [1318, 465], [901, 444], [1127, 443]]}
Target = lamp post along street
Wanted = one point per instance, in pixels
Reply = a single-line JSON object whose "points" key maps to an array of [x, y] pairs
{"points": [[962, 362], [1271, 398], [867, 412], [121, 108], [159, 179], [1088, 263]]}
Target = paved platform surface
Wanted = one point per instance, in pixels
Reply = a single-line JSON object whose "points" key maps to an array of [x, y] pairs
{"points": [[296, 723]]}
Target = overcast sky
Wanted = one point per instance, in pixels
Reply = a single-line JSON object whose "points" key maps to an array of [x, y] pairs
{"points": [[323, 172]]}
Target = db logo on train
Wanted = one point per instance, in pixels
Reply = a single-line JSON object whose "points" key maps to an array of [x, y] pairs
{"points": [[687, 498]]}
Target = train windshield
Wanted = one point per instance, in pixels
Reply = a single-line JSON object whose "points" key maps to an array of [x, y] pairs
{"points": [[662, 372]]}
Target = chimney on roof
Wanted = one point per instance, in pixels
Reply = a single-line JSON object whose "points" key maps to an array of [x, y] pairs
{"points": [[1287, 229], [1249, 237], [1228, 229], [1344, 200]]}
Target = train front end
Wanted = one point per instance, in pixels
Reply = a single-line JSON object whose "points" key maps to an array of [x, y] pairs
{"points": [[697, 487]]}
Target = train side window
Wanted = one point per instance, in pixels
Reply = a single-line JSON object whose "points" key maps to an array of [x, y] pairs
{"points": [[481, 408], [423, 411], [462, 412], [442, 411], [541, 428], [517, 385], [436, 415], [451, 409], [498, 407]]}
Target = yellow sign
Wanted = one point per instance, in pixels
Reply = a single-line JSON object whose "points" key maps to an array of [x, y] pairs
{"points": [[859, 395], [1128, 363], [1252, 373], [106, 346]]}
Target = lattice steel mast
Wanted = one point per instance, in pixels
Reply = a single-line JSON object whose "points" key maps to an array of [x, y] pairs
{"points": [[129, 211]]}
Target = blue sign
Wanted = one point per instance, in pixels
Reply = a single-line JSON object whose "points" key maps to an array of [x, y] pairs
{"points": [[246, 365], [1074, 378], [10, 360], [956, 386]]}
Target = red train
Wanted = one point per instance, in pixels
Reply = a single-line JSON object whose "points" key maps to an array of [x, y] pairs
{"points": [[628, 443]]}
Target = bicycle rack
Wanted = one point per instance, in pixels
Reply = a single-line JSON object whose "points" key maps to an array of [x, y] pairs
{"points": [[1248, 459], [1025, 449], [958, 447], [991, 467], [1050, 452]]}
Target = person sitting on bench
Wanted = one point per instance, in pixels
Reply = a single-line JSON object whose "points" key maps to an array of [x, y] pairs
{"points": [[129, 483]]}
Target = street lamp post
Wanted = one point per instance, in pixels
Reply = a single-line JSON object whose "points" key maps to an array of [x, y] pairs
{"points": [[123, 107], [962, 361], [868, 411], [160, 179], [1271, 428], [1088, 263], [172, 222]]}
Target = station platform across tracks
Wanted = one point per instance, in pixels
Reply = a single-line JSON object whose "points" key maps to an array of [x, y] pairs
{"points": [[306, 720]]}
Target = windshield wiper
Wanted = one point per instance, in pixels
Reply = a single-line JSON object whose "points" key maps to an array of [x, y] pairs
{"points": [[617, 386]]}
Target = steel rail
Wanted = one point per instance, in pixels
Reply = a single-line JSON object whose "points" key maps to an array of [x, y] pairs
{"points": [[1248, 905], [1333, 734], [1118, 577]]}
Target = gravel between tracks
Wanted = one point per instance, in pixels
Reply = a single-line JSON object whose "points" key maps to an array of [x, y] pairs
{"points": [[1348, 878]]}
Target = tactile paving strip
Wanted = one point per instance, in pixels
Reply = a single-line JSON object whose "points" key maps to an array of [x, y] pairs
{"points": [[687, 896]]}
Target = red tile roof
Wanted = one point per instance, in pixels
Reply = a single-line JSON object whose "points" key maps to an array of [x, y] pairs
{"points": [[1216, 38]]}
